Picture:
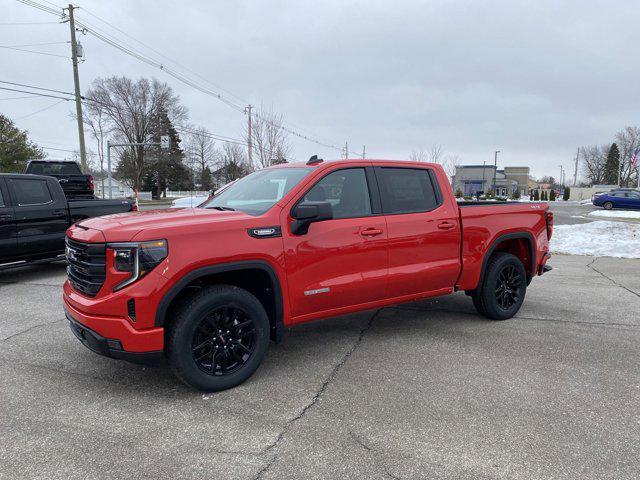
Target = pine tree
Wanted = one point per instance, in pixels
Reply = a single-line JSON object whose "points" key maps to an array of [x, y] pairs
{"points": [[459, 193], [552, 195], [536, 195], [612, 165], [567, 194], [166, 166]]}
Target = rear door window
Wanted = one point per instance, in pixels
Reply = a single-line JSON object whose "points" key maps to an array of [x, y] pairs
{"points": [[53, 168], [407, 190], [30, 191]]}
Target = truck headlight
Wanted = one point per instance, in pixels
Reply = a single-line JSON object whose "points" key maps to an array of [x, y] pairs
{"points": [[137, 259]]}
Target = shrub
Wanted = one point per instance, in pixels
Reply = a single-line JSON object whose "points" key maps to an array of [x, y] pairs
{"points": [[516, 194], [552, 195], [536, 195], [459, 193], [567, 193]]}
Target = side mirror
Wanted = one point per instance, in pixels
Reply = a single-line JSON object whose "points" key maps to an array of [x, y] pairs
{"points": [[304, 214]]}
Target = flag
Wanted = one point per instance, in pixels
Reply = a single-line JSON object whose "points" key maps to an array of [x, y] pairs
{"points": [[634, 159]]}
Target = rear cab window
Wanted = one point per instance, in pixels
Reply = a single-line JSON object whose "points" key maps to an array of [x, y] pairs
{"points": [[30, 191], [408, 190], [54, 168]]}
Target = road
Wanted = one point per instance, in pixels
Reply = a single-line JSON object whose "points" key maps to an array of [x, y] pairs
{"points": [[423, 390]]}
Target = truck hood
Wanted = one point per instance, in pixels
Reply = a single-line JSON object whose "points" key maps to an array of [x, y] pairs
{"points": [[125, 227]]}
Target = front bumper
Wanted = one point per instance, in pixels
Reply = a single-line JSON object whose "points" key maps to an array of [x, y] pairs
{"points": [[110, 347], [114, 337]]}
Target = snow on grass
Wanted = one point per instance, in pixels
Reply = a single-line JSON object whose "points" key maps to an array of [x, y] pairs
{"points": [[632, 214], [600, 239]]}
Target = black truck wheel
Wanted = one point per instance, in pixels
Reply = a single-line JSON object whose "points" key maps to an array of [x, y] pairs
{"points": [[503, 287], [218, 339]]}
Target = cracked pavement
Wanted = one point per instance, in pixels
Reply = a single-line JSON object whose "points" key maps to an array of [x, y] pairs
{"points": [[423, 390]]}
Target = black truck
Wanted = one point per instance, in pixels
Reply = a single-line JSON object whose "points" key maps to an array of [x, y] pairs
{"points": [[35, 214], [74, 183]]}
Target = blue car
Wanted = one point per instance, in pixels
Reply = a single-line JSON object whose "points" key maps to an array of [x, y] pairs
{"points": [[618, 199]]}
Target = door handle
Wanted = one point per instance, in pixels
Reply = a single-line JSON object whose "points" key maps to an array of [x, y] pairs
{"points": [[59, 213], [371, 232], [446, 225]]}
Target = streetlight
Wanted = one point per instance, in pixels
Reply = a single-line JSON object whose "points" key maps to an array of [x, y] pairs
{"points": [[495, 170]]}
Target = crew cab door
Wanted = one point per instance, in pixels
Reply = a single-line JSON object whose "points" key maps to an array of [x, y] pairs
{"points": [[41, 215], [7, 225], [423, 230], [342, 262]]}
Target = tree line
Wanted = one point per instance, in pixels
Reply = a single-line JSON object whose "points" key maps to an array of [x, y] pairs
{"points": [[123, 110], [608, 163]]}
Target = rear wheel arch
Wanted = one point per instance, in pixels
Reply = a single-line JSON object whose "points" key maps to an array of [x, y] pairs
{"points": [[257, 277], [520, 244]]}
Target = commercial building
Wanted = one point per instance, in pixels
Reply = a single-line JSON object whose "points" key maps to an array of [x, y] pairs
{"points": [[477, 179]]}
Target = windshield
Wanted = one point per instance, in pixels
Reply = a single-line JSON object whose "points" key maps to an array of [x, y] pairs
{"points": [[258, 192]]}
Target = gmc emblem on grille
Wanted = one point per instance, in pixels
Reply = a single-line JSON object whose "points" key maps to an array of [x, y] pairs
{"points": [[71, 254]]}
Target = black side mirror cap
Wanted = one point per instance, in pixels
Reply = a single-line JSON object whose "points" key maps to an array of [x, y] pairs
{"points": [[306, 213]]}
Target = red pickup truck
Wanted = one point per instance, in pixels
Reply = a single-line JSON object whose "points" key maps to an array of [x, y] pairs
{"points": [[206, 288]]}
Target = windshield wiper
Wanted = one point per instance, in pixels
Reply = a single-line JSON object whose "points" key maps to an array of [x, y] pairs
{"points": [[223, 209]]}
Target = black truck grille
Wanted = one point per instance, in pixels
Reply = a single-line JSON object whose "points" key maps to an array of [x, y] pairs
{"points": [[86, 267]]}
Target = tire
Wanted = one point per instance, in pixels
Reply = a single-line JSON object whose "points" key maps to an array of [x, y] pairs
{"points": [[607, 205], [218, 339], [477, 303], [503, 288]]}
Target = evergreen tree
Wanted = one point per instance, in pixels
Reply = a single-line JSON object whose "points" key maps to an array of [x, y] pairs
{"points": [[516, 194], [166, 166], [612, 165], [459, 193], [536, 195], [567, 194], [552, 195], [15, 147]]}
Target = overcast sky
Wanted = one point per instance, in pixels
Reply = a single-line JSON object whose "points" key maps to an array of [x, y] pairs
{"points": [[532, 79]]}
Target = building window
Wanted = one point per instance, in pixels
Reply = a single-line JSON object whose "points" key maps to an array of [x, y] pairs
{"points": [[472, 187]]}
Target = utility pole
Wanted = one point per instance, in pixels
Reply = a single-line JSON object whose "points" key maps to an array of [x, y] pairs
{"points": [[76, 82], [495, 170], [575, 172], [364, 152], [346, 150], [249, 140]]}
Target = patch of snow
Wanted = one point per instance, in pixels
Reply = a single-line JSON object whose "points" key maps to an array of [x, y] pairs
{"points": [[586, 202], [600, 239], [633, 214]]}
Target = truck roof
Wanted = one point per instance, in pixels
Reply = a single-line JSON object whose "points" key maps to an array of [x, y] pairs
{"points": [[366, 161]]}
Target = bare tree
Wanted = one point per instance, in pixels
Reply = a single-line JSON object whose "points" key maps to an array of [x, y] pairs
{"points": [[97, 121], [450, 163], [129, 107], [594, 161], [201, 150], [628, 140], [433, 154], [269, 139], [234, 163]]}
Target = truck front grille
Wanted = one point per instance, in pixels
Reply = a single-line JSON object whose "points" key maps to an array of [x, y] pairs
{"points": [[86, 267]]}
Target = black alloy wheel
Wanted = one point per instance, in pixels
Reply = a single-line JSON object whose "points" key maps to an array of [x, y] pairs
{"points": [[224, 341], [503, 287], [218, 337], [507, 291]]}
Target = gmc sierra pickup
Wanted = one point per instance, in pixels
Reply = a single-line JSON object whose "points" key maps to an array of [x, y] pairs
{"points": [[68, 173], [206, 288], [35, 214]]}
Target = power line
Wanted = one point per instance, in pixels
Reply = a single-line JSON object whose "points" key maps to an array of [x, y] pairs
{"points": [[16, 98], [57, 149], [28, 23], [35, 93], [154, 63], [35, 87], [33, 51], [34, 44], [41, 110]]}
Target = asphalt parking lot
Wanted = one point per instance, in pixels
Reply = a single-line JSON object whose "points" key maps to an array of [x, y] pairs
{"points": [[424, 390]]}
